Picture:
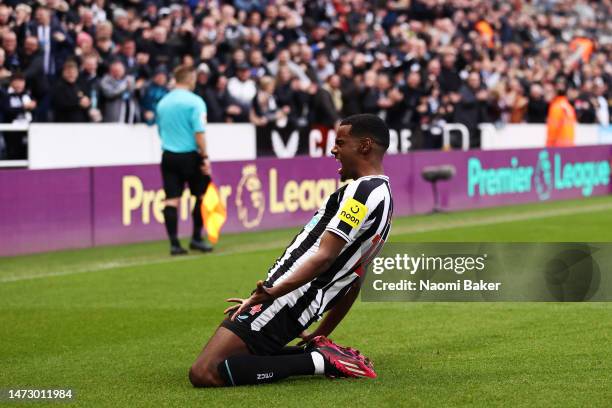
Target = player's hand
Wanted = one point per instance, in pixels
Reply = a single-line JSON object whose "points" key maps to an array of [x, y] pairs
{"points": [[305, 337], [234, 307], [259, 296]]}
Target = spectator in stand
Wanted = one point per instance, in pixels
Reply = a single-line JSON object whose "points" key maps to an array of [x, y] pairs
{"points": [[87, 22], [515, 102], [69, 102], [23, 16], [349, 90], [603, 107], [206, 90], [159, 50], [32, 63], [242, 88], [5, 73], [119, 92], [284, 59], [265, 111], [84, 45], [257, 63], [414, 103], [537, 106], [322, 111], [127, 55], [471, 106], [17, 106], [104, 44], [585, 104], [153, 93], [332, 85], [323, 68], [369, 93], [89, 82], [121, 26], [232, 111], [56, 45], [449, 77], [12, 61], [5, 15]]}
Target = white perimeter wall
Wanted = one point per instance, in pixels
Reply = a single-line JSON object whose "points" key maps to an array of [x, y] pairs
{"points": [[83, 145], [523, 136]]}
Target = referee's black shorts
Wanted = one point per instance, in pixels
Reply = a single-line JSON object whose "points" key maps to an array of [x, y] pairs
{"points": [[180, 168]]}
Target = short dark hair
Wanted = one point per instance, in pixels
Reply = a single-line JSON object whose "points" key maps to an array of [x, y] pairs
{"points": [[368, 125], [17, 76], [70, 63]]}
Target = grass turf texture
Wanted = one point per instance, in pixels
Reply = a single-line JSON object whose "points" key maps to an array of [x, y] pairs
{"points": [[121, 325]]}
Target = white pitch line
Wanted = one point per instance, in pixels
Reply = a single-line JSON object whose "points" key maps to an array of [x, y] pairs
{"points": [[442, 225]]}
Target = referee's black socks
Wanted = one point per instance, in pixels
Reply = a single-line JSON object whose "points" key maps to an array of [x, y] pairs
{"points": [[249, 369], [171, 222], [198, 222]]}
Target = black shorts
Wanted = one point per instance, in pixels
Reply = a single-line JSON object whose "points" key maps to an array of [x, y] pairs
{"points": [[180, 168], [281, 329]]}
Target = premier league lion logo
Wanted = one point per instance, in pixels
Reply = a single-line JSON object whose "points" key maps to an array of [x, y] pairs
{"points": [[250, 199]]}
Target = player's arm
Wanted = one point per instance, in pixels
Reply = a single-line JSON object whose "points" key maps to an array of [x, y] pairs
{"points": [[336, 313], [329, 249]]}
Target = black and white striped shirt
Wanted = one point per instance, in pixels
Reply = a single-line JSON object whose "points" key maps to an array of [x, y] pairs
{"points": [[359, 213]]}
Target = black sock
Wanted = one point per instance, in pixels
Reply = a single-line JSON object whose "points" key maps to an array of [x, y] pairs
{"points": [[290, 350], [249, 369], [198, 222], [171, 221]]}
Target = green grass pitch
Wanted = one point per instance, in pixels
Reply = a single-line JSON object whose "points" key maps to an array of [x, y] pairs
{"points": [[121, 325]]}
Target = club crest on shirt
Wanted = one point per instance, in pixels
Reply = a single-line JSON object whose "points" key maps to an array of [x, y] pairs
{"points": [[353, 212], [255, 309]]}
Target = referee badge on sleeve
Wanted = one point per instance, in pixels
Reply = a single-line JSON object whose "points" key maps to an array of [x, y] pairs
{"points": [[353, 212], [204, 118]]}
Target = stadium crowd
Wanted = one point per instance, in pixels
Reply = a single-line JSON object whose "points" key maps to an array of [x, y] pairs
{"points": [[297, 63]]}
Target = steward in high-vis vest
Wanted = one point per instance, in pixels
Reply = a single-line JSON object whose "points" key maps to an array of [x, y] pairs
{"points": [[561, 121]]}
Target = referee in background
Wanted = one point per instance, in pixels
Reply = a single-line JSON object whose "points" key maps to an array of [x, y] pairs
{"points": [[181, 122]]}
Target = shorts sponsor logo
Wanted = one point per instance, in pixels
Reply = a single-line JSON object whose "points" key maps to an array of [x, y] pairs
{"points": [[353, 212]]}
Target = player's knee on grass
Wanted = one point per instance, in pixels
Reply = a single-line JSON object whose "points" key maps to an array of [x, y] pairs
{"points": [[205, 376]]}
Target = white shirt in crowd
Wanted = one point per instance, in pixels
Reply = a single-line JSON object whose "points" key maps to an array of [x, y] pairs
{"points": [[243, 92], [603, 111]]}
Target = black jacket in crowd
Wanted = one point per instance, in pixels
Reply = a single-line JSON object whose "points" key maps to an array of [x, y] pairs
{"points": [[65, 102]]}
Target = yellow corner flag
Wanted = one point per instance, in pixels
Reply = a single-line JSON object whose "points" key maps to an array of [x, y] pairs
{"points": [[214, 213]]}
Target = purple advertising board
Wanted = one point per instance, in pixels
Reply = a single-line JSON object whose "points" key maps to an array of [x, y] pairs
{"points": [[44, 210], [112, 205]]}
